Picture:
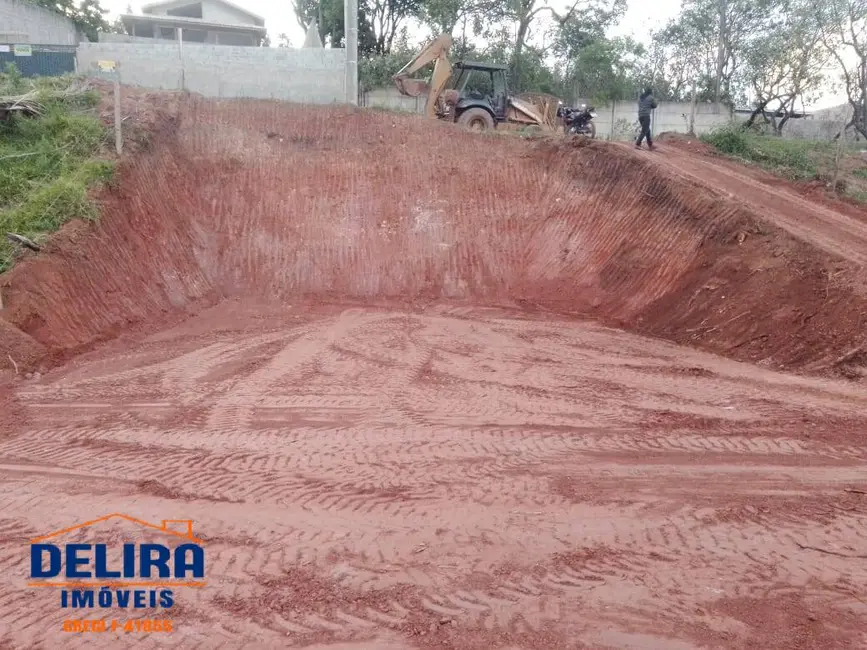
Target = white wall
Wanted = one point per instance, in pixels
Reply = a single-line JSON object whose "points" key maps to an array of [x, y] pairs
{"points": [[614, 122], [42, 27], [314, 76], [220, 13]]}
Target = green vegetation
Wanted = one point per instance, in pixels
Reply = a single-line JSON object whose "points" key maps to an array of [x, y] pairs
{"points": [[798, 160], [795, 159], [48, 163]]}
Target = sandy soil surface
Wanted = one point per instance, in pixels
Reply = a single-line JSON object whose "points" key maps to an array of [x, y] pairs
{"points": [[586, 399], [454, 478]]}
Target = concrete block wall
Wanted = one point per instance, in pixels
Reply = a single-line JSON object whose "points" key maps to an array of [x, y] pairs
{"points": [[391, 99], [288, 74], [41, 26], [617, 121]]}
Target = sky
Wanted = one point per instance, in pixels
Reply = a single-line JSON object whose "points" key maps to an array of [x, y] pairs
{"points": [[641, 18]]}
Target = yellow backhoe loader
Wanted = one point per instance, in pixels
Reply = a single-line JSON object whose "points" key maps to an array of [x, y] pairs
{"points": [[472, 94]]}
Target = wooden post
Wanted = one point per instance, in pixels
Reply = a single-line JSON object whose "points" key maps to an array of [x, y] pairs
{"points": [[118, 134], [839, 151], [692, 112], [180, 33]]}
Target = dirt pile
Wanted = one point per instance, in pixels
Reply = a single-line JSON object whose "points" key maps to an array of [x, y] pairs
{"points": [[280, 202]]}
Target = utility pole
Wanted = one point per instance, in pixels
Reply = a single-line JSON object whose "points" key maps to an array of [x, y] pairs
{"points": [[350, 21]]}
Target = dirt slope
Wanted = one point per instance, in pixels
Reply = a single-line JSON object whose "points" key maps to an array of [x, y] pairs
{"points": [[371, 360], [371, 206]]}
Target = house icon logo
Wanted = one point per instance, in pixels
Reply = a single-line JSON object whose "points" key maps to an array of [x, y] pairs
{"points": [[138, 568]]}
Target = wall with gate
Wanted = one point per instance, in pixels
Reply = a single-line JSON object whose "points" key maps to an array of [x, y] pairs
{"points": [[39, 60]]}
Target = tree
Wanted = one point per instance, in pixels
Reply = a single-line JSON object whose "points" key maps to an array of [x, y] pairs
{"points": [[593, 66], [329, 17], [443, 16], [520, 15], [786, 64], [844, 32], [117, 27], [708, 40], [607, 70], [87, 15], [387, 18]]}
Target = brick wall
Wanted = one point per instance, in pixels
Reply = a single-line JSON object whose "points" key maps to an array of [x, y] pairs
{"points": [[313, 76]]}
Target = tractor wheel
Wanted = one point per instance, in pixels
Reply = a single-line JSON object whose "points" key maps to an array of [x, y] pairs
{"points": [[477, 119]]}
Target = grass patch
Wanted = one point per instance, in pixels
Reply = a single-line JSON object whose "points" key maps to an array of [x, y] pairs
{"points": [[48, 163], [795, 159]]}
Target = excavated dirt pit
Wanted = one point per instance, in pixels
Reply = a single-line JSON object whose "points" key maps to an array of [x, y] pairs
{"points": [[419, 388]]}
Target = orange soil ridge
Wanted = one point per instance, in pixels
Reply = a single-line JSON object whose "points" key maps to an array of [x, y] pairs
{"points": [[363, 359], [373, 206]]}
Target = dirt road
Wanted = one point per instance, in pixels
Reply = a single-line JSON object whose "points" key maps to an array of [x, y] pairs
{"points": [[386, 403], [839, 234]]}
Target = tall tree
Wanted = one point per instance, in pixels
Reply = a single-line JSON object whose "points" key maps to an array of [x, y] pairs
{"points": [[379, 21], [521, 15], [710, 38], [786, 64], [844, 33], [387, 18], [443, 16], [591, 63]]}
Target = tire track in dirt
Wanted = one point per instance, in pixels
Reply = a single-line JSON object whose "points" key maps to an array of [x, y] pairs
{"points": [[577, 228], [378, 478]]}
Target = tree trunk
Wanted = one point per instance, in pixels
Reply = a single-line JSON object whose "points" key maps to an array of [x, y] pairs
{"points": [[320, 25], [721, 53], [760, 109], [515, 81]]}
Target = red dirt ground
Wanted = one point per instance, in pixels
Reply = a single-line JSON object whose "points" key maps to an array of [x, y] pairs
{"points": [[420, 388]]}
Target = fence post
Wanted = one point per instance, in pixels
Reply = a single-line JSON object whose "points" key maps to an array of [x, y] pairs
{"points": [[118, 135], [113, 67], [181, 55], [841, 140]]}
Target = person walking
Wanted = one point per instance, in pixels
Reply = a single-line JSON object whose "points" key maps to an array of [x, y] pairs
{"points": [[646, 103]]}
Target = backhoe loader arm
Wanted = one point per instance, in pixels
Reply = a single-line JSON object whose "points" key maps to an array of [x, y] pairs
{"points": [[436, 51]]}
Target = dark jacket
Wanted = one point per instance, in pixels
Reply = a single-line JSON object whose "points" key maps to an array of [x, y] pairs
{"points": [[645, 105]]}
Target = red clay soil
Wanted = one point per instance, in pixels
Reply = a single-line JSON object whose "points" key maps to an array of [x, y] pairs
{"points": [[277, 201], [371, 359]]}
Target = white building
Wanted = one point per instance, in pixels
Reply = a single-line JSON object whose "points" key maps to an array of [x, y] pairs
{"points": [[218, 22]]}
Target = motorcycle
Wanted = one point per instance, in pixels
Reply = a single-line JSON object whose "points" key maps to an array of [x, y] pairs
{"points": [[578, 121]]}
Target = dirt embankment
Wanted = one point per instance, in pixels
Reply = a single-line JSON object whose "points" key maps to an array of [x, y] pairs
{"points": [[275, 201]]}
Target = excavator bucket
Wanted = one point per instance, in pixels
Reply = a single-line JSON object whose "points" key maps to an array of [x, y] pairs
{"points": [[411, 87], [524, 112], [435, 52]]}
